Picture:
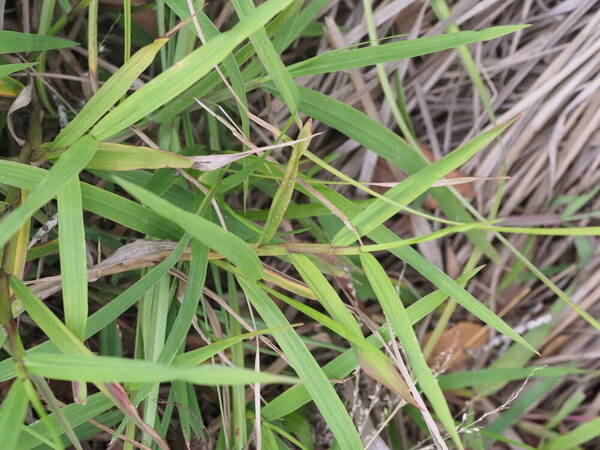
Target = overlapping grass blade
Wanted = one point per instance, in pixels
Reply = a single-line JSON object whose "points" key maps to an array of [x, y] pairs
{"points": [[110, 92], [388, 145], [13, 42], [108, 313], [415, 185], [309, 371], [96, 200], [69, 165], [371, 359], [430, 271], [400, 323], [12, 414], [172, 82], [345, 59], [341, 366], [211, 235], [75, 413], [105, 369], [269, 57]]}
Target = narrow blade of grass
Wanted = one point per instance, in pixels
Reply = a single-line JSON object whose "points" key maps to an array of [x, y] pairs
{"points": [[580, 435], [396, 314], [7, 69], [415, 185], [12, 414], [345, 59], [15, 42], [282, 197]]}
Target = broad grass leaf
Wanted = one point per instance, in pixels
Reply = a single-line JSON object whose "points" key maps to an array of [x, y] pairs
{"points": [[105, 369], [15, 42]]}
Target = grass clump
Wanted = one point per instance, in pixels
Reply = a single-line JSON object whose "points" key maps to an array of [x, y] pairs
{"points": [[295, 224]]}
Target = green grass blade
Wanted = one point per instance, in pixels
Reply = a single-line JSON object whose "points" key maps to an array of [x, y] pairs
{"points": [[7, 69], [13, 42], [415, 185], [282, 197], [110, 92], [460, 380], [211, 235], [73, 261], [269, 57], [345, 59], [75, 413], [12, 414], [302, 361], [178, 78], [400, 322], [105, 369], [69, 164], [580, 435]]}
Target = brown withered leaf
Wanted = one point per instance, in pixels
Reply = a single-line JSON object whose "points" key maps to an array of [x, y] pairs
{"points": [[450, 353]]}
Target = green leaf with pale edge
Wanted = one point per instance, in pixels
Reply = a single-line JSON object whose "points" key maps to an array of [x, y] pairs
{"points": [[400, 322], [177, 78], [108, 94], [301, 360], [104, 369], [345, 59], [408, 190], [15, 42], [68, 165], [12, 414], [211, 235]]}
